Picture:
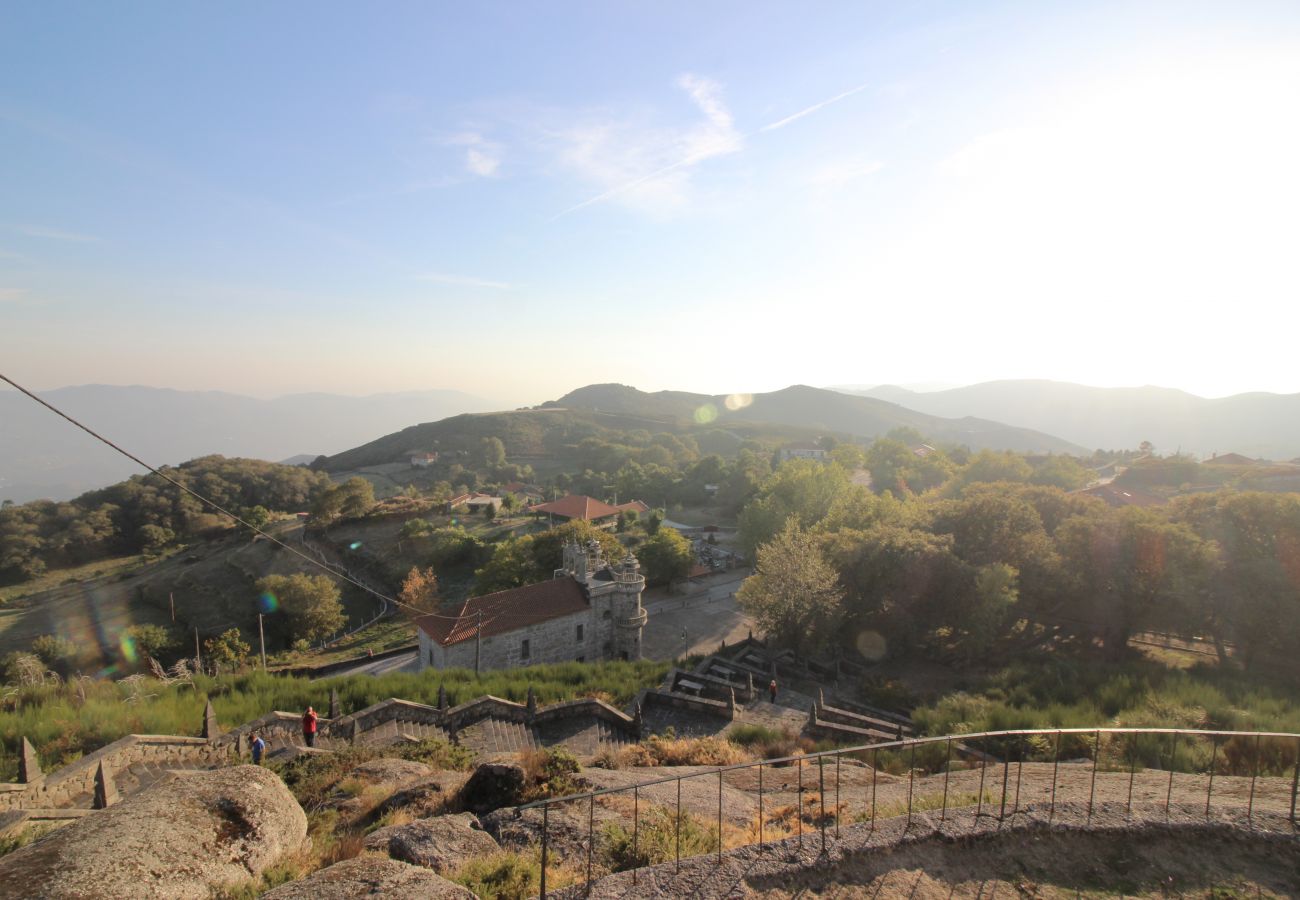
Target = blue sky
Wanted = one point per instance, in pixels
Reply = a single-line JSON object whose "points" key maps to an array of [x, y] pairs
{"points": [[517, 199]]}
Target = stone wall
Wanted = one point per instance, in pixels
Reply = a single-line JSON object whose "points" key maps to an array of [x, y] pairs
{"points": [[554, 641], [62, 787]]}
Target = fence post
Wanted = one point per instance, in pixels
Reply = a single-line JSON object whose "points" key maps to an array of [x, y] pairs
{"points": [[1096, 761], [677, 825], [911, 777], [1132, 773], [1295, 783], [1173, 761], [799, 803], [821, 792], [1214, 755], [1006, 776], [546, 821], [1020, 768], [760, 806], [591, 838], [1056, 765], [837, 796], [979, 800], [1250, 808], [636, 828], [719, 816], [947, 771], [875, 758]]}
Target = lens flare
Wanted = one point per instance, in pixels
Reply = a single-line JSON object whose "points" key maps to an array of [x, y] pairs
{"points": [[706, 414], [268, 603], [355, 545], [871, 644], [128, 649], [738, 401]]}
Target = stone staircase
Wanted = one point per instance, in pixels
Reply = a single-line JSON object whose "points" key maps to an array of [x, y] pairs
{"points": [[490, 737], [725, 688]]}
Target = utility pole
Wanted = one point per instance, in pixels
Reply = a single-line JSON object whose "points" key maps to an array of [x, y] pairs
{"points": [[261, 636], [478, 638], [171, 598]]}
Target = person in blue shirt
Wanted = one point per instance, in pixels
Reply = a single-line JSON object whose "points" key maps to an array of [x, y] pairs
{"points": [[258, 747]]}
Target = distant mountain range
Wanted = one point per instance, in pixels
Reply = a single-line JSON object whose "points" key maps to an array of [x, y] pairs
{"points": [[795, 413], [1256, 425], [42, 456], [817, 408]]}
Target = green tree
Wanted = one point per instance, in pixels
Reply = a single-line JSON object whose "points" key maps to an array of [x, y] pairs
{"points": [[153, 538], [988, 465], [653, 521], [57, 653], [494, 452], [995, 595], [152, 641], [801, 488], [310, 603], [794, 594], [665, 556], [227, 651]]}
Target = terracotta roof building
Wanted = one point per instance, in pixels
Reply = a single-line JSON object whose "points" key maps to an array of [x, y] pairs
{"points": [[590, 610], [576, 506], [635, 506]]}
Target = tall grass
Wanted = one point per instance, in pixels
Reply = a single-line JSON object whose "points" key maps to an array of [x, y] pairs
{"points": [[65, 721]]}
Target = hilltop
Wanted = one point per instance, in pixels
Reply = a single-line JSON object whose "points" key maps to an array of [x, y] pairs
{"points": [[1255, 424], [798, 412]]}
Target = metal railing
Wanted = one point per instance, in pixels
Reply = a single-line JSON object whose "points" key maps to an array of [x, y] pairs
{"points": [[1014, 748]]}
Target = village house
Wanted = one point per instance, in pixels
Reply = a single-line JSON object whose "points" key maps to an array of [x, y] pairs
{"points": [[577, 507], [591, 610], [802, 451], [423, 460]]}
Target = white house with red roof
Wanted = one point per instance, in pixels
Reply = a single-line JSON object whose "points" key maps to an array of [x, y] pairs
{"points": [[591, 610]]}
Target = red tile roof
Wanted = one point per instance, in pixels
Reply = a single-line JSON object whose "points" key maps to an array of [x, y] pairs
{"points": [[505, 611], [577, 506], [1122, 496], [635, 506]]}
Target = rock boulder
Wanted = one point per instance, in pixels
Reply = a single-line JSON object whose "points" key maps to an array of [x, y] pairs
{"points": [[177, 838], [492, 786], [370, 876], [441, 843]]}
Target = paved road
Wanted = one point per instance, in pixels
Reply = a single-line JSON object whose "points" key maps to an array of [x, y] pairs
{"points": [[404, 663]]}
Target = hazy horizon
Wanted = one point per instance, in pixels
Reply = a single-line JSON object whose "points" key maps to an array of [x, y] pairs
{"points": [[514, 201]]}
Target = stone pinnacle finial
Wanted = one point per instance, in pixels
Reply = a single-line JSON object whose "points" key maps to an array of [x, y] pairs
{"points": [[532, 703], [637, 723], [29, 764], [731, 700], [105, 789], [812, 715], [211, 731], [241, 746], [442, 697], [335, 710], [749, 684], [821, 697]]}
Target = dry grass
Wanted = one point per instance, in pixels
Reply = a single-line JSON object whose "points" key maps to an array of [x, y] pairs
{"points": [[665, 751]]}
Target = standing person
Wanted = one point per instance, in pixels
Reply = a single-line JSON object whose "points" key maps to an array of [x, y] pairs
{"points": [[258, 746], [771, 689], [309, 727]]}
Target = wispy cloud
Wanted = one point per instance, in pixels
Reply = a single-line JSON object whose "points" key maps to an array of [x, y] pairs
{"points": [[809, 110], [12, 296], [54, 234], [649, 168], [466, 281], [482, 156]]}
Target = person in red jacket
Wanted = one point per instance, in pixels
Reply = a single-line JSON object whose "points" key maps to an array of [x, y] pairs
{"points": [[309, 727]]}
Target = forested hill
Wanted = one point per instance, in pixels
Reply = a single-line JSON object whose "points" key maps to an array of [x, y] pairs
{"points": [[1255, 425], [796, 413], [815, 408]]}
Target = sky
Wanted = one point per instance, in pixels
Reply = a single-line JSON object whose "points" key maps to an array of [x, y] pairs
{"points": [[516, 199]]}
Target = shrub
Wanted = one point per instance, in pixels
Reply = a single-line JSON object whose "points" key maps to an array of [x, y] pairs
{"points": [[510, 876], [549, 773], [656, 839]]}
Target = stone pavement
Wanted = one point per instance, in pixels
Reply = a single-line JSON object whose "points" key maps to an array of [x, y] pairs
{"points": [[708, 617]]}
